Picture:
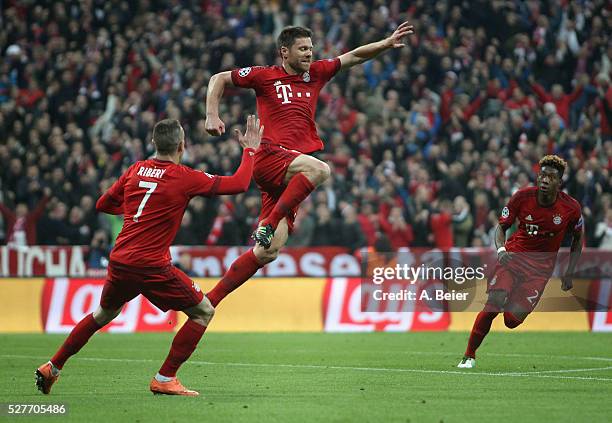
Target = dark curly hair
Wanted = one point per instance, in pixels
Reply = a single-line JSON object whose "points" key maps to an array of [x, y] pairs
{"points": [[554, 162]]}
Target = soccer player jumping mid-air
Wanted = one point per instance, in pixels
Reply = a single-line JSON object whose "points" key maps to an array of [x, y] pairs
{"points": [[152, 196], [527, 259], [285, 171]]}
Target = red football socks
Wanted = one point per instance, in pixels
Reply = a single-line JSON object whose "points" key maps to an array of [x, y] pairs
{"points": [[481, 328], [184, 344], [298, 188], [75, 341], [239, 272]]}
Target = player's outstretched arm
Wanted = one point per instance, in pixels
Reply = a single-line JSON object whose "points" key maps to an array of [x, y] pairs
{"points": [[214, 125], [239, 181], [575, 251], [369, 51]]}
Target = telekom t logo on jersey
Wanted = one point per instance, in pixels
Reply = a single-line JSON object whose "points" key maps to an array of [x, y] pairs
{"points": [[284, 92]]}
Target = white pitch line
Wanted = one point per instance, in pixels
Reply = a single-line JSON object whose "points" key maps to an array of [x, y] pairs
{"points": [[593, 369], [563, 357], [484, 354], [384, 369], [321, 367]]}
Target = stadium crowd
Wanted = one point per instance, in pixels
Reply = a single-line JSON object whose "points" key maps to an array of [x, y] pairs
{"points": [[426, 143]]}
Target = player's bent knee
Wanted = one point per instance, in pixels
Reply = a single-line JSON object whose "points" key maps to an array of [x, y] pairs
{"points": [[104, 316], [325, 172], [207, 309], [270, 255], [202, 313], [511, 321], [317, 172], [322, 172], [265, 256]]}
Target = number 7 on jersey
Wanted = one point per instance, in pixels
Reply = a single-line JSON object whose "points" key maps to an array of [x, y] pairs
{"points": [[150, 188]]}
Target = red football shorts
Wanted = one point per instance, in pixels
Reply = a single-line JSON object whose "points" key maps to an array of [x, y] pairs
{"points": [[271, 164], [168, 288], [524, 292]]}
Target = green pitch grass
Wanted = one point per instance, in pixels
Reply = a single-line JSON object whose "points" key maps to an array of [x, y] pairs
{"points": [[408, 377]]}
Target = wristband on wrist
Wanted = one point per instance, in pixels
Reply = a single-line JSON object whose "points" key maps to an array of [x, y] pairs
{"points": [[500, 249]]}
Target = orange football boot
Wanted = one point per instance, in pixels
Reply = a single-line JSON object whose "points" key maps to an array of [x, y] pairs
{"points": [[45, 378], [174, 387]]}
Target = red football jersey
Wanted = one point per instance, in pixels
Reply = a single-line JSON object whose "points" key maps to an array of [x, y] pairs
{"points": [[286, 104], [154, 194], [540, 229]]}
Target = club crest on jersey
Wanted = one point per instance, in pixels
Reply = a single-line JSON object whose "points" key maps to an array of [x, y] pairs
{"points": [[306, 77], [244, 71], [505, 212], [557, 219]]}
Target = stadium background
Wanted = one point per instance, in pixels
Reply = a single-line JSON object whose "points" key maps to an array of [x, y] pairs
{"points": [[426, 143]]}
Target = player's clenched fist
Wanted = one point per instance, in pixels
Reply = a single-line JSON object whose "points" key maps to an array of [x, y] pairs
{"points": [[252, 136], [214, 125]]}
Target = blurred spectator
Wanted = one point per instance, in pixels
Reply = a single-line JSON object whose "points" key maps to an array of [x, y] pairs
{"points": [[604, 102], [463, 222], [21, 224], [186, 234], [99, 251], [395, 227], [303, 227], [54, 228], [326, 228], [203, 211], [557, 97], [442, 227], [79, 232], [368, 221], [349, 231], [88, 208], [603, 231], [224, 230]]}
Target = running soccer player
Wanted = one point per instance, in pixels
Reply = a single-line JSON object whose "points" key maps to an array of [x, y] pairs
{"points": [[527, 259], [285, 171], [152, 196]]}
